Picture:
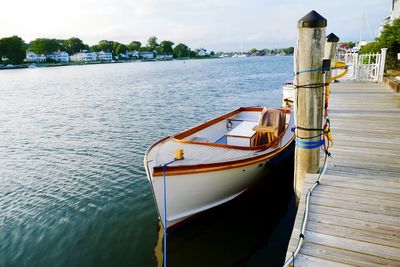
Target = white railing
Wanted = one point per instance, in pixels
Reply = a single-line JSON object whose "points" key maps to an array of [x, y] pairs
{"points": [[364, 67]]}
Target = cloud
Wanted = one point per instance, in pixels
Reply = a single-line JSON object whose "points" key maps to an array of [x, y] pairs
{"points": [[213, 24]]}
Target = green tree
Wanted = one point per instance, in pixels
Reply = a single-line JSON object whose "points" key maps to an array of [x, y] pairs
{"points": [[181, 50], [115, 47], [152, 43], [104, 45], [121, 48], [166, 47], [252, 51], [94, 48], [212, 53], [390, 39], [12, 49], [373, 47], [45, 45], [267, 51], [288, 50], [134, 45], [74, 45]]}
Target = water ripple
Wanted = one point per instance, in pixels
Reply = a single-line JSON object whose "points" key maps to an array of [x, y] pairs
{"points": [[72, 139]]}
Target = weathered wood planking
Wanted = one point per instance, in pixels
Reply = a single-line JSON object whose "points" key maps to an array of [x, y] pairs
{"points": [[354, 217]]}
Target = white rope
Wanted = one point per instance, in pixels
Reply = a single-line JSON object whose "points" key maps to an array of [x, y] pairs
{"points": [[304, 222]]}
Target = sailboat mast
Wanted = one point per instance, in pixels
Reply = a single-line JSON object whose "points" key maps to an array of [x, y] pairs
{"points": [[362, 26]]}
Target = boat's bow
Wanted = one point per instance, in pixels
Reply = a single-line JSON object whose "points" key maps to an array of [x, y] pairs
{"points": [[221, 159]]}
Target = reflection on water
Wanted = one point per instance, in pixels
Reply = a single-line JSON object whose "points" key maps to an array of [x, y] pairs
{"points": [[73, 187], [252, 230]]}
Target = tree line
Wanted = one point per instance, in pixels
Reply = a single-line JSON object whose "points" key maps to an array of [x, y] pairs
{"points": [[390, 39], [13, 49], [275, 51]]}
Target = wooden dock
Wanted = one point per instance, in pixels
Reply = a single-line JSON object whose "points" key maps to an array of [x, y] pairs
{"points": [[354, 214]]}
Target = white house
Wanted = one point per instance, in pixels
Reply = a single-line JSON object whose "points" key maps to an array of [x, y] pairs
{"points": [[33, 57], [132, 54], [394, 14], [164, 56], [60, 56], [105, 56], [84, 56], [202, 52], [122, 56], [146, 55]]}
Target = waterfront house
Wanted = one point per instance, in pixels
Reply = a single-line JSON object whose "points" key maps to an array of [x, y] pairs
{"points": [[132, 54], [202, 52], [84, 56], [146, 55], [344, 48], [60, 56], [122, 56], [33, 57], [394, 14], [104, 56], [164, 56]]}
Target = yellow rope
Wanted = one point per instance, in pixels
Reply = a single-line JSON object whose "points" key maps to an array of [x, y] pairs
{"points": [[338, 65]]}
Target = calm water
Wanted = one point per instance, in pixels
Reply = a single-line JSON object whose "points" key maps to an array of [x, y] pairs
{"points": [[73, 187]]}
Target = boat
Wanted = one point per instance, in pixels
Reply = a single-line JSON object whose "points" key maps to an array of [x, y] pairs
{"points": [[216, 161], [288, 91]]}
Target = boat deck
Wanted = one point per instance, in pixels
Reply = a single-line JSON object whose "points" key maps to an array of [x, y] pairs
{"points": [[195, 154], [354, 214]]}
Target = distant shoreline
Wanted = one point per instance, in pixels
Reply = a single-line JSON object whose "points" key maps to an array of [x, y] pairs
{"points": [[78, 63]]}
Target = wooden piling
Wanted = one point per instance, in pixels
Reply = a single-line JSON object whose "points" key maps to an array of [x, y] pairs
{"points": [[309, 101], [330, 50]]}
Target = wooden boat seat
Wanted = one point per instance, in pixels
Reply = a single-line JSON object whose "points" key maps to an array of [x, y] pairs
{"points": [[270, 125]]}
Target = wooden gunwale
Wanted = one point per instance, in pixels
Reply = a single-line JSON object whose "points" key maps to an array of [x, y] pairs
{"points": [[201, 168], [184, 134], [219, 166], [240, 136], [179, 137]]}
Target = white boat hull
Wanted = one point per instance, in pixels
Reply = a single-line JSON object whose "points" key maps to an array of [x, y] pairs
{"points": [[210, 173], [190, 194]]}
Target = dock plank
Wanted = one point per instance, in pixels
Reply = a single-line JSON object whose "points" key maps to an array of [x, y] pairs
{"points": [[341, 256], [354, 214]]}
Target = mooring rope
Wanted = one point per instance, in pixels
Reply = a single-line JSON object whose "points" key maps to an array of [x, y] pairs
{"points": [[165, 210], [307, 202], [179, 156], [325, 133]]}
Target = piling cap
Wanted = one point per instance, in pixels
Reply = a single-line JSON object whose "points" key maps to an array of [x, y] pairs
{"points": [[312, 20], [332, 38]]}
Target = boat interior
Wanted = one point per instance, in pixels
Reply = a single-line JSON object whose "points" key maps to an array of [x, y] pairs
{"points": [[250, 127]]}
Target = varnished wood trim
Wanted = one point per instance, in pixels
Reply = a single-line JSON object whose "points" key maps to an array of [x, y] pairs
{"points": [[188, 169], [207, 124], [179, 137], [201, 168], [240, 136]]}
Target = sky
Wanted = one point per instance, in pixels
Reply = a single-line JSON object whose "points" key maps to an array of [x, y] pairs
{"points": [[218, 25]]}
